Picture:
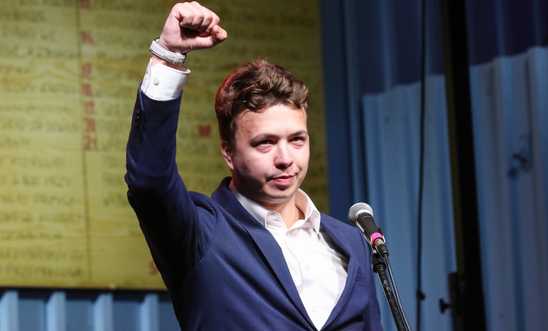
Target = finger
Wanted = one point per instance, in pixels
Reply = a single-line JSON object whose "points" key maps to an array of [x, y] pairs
{"points": [[186, 15], [208, 30], [214, 21], [202, 17], [190, 15], [209, 17], [217, 36]]}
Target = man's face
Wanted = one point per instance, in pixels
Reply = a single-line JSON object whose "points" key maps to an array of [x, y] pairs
{"points": [[270, 157]]}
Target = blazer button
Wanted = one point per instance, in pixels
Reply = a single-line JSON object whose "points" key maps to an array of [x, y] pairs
{"points": [[137, 117]]}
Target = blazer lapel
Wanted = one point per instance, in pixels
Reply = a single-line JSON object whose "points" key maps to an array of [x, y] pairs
{"points": [[332, 229], [264, 241], [273, 254]]}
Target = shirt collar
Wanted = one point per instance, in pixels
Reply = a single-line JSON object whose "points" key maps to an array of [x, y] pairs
{"points": [[302, 201]]}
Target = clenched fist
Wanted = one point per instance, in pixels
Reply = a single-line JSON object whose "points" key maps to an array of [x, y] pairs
{"points": [[190, 27]]}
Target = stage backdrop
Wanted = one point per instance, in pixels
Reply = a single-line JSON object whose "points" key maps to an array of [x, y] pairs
{"points": [[69, 73]]}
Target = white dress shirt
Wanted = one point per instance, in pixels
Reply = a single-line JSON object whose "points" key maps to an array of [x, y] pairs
{"points": [[318, 271]]}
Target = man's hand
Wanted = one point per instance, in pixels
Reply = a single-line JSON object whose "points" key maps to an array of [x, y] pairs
{"points": [[190, 27]]}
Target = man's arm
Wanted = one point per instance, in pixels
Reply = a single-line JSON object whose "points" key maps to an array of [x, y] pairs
{"points": [[167, 215]]}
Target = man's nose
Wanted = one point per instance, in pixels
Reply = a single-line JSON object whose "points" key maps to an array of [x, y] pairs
{"points": [[283, 159]]}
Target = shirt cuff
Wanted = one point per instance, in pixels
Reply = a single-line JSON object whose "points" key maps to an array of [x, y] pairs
{"points": [[163, 83]]}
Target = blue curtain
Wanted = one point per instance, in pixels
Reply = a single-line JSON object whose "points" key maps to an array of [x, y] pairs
{"points": [[373, 48], [391, 122]]}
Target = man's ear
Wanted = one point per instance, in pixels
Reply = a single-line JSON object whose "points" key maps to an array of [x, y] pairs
{"points": [[227, 154]]}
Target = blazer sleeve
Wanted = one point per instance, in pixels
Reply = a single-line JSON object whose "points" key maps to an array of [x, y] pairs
{"points": [[176, 229]]}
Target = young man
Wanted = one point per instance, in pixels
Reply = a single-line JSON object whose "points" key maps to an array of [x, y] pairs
{"points": [[257, 255]]}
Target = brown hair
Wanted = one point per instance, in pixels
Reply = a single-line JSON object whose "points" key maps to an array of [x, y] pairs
{"points": [[254, 86]]}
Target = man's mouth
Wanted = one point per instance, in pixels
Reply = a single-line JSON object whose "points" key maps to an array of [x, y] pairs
{"points": [[284, 180]]}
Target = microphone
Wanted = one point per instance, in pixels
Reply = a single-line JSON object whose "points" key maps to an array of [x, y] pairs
{"points": [[361, 216]]}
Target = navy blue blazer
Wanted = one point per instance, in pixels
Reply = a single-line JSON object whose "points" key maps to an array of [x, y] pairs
{"points": [[223, 269]]}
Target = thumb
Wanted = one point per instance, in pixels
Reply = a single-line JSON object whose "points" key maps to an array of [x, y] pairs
{"points": [[218, 35]]}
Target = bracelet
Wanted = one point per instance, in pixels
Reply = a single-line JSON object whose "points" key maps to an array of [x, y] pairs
{"points": [[159, 51]]}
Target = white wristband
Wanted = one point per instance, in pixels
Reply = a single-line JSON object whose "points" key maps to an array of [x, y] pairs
{"points": [[159, 51]]}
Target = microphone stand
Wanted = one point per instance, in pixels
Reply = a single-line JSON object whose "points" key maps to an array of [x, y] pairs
{"points": [[379, 267], [361, 216]]}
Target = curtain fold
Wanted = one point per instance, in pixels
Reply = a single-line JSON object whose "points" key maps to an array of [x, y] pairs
{"points": [[510, 114], [391, 122]]}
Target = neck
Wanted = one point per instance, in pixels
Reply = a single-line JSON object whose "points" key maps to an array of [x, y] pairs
{"points": [[288, 211]]}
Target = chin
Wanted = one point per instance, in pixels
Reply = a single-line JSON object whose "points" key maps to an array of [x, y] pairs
{"points": [[280, 196]]}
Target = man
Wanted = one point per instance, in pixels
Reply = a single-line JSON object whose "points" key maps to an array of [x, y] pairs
{"points": [[257, 255]]}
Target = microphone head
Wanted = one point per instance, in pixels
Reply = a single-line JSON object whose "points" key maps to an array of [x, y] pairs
{"points": [[356, 210]]}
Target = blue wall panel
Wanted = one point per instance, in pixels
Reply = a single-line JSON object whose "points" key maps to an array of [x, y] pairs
{"points": [[85, 310]]}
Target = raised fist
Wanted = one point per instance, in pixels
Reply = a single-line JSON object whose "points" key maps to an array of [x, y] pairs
{"points": [[191, 26]]}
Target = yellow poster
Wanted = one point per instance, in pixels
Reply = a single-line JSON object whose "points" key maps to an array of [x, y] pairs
{"points": [[69, 74]]}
